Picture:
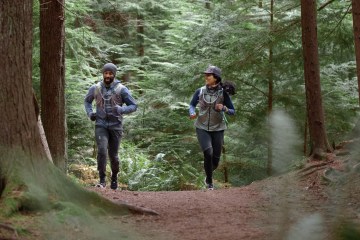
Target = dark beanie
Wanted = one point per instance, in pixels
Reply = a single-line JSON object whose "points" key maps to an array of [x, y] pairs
{"points": [[110, 67]]}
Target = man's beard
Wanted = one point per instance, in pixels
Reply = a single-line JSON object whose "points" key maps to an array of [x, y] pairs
{"points": [[108, 80]]}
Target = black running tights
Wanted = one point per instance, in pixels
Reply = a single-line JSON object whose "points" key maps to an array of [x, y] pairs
{"points": [[211, 144]]}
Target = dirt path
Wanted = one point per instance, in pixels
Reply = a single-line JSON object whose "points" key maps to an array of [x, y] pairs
{"points": [[297, 205], [262, 210], [218, 214]]}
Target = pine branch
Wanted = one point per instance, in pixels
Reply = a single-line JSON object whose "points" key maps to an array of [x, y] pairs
{"points": [[325, 4], [256, 88], [338, 24]]}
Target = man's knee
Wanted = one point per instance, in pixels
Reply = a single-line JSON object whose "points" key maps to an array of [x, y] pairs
{"points": [[101, 152]]}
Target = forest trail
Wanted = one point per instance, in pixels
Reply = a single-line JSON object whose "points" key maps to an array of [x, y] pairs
{"points": [[218, 214], [266, 209], [297, 205]]}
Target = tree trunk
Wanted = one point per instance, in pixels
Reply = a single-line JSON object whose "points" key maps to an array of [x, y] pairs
{"points": [[207, 4], [19, 128], [270, 90], [356, 26], [19, 122], [316, 119], [140, 35], [260, 4], [225, 164], [305, 136], [23, 162], [41, 129], [52, 74]]}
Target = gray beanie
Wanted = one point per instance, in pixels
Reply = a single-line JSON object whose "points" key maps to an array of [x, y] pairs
{"points": [[110, 67]]}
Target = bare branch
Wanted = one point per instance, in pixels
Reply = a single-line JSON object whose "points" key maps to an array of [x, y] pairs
{"points": [[325, 4]]}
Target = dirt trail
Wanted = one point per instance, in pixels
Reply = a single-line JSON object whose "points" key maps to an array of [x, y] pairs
{"points": [[261, 210], [218, 214], [297, 205]]}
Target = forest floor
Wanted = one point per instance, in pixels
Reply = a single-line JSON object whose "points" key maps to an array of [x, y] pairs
{"points": [[317, 202], [300, 203]]}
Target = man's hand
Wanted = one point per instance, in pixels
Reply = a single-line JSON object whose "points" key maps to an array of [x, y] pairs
{"points": [[193, 116], [118, 109], [93, 116]]}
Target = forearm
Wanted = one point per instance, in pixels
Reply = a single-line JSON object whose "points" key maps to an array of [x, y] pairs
{"points": [[192, 110], [130, 103], [194, 101], [88, 101], [126, 109], [228, 106], [88, 108]]}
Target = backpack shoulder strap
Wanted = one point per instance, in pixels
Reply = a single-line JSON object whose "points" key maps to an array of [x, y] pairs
{"points": [[97, 89], [202, 89], [118, 88], [221, 92]]}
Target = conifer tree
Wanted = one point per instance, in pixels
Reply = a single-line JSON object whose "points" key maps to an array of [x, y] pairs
{"points": [[356, 26], [52, 75], [315, 111]]}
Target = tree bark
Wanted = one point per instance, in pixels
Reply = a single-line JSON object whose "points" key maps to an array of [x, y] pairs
{"points": [[207, 4], [18, 118], [140, 35], [356, 27], [316, 119], [41, 129], [260, 4], [19, 128], [270, 89], [52, 76], [23, 161]]}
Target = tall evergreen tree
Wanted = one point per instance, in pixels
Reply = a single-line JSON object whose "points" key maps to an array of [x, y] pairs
{"points": [[52, 74], [19, 120], [21, 151], [140, 21], [315, 111], [270, 85], [356, 26]]}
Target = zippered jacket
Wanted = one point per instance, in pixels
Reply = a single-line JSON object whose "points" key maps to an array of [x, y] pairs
{"points": [[110, 102]]}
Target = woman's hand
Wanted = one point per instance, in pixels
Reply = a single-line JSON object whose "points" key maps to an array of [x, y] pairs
{"points": [[193, 116], [219, 107]]}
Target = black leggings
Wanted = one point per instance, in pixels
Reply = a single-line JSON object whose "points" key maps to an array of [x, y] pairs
{"points": [[211, 144]]}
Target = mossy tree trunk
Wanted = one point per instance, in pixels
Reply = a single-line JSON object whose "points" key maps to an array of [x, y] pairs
{"points": [[19, 128], [26, 176]]}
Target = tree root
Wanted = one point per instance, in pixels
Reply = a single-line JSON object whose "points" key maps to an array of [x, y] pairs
{"points": [[9, 228], [313, 168], [139, 210]]}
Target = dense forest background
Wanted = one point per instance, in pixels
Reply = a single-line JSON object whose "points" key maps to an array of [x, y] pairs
{"points": [[161, 48]]}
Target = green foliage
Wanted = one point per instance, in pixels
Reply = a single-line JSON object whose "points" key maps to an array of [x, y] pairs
{"points": [[180, 39], [166, 175], [347, 230]]}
